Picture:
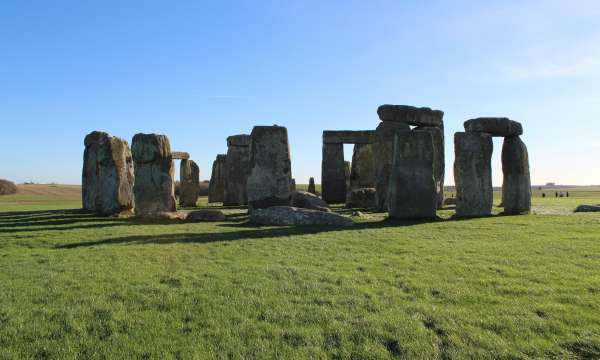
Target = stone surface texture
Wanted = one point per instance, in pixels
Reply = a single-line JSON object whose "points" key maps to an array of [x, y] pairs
{"points": [[306, 200], [411, 115], [439, 163], [270, 180], [206, 215], [412, 190], [516, 188], [237, 170], [154, 173], [216, 188], [362, 174], [189, 179], [494, 126], [473, 174], [362, 198], [288, 215], [107, 177], [333, 174]]}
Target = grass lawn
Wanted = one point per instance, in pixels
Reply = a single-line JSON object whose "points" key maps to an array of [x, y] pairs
{"points": [[73, 285]]}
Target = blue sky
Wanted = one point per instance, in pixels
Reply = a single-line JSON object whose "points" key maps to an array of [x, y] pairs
{"points": [[200, 71]]}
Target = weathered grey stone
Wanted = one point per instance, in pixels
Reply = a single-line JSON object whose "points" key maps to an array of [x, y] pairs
{"points": [[189, 179], [473, 174], [288, 215], [347, 171], [412, 184], [588, 208], [348, 136], [410, 115], [205, 215], [494, 126], [180, 155], [333, 174], [383, 149], [362, 198], [237, 170], [216, 188], [107, 179], [270, 180], [516, 188], [439, 163], [311, 186], [362, 174], [154, 170], [306, 200]]}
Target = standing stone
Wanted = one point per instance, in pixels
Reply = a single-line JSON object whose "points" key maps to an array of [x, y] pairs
{"points": [[270, 180], [347, 172], [473, 174], [516, 189], [412, 190], [439, 165], [311, 186], [362, 174], [293, 185], [383, 149], [189, 178], [216, 188], [107, 179], [333, 174], [154, 172], [237, 170]]}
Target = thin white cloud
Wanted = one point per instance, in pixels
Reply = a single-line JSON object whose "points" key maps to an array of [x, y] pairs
{"points": [[586, 66]]}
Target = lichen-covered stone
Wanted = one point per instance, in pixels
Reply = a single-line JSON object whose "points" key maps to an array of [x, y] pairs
{"points": [[473, 174], [288, 215], [270, 180], [216, 189], [189, 178], [516, 188], [107, 179], [154, 173], [412, 190]]}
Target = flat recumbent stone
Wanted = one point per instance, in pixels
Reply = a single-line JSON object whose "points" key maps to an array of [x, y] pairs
{"points": [[494, 126], [410, 115]]}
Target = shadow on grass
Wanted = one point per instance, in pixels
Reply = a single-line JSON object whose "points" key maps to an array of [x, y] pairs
{"points": [[246, 231]]}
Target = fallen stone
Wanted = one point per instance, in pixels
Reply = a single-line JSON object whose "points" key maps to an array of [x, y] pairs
{"points": [[587, 208], [494, 126], [473, 174], [270, 180], [306, 200], [288, 215], [412, 187], [364, 198], [108, 174], [205, 215], [410, 115], [516, 188], [154, 173]]}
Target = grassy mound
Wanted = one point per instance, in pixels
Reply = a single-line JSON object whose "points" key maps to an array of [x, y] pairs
{"points": [[7, 187]]}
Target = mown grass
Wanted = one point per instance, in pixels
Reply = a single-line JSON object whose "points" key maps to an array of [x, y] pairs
{"points": [[78, 286]]}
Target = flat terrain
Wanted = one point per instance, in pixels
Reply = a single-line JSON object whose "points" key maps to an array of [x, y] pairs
{"points": [[73, 285]]}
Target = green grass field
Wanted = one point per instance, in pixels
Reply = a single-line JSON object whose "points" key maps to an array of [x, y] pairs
{"points": [[73, 285]]}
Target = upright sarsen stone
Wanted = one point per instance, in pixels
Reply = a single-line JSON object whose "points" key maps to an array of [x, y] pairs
{"points": [[516, 188], [333, 173], [189, 178], [311, 186], [154, 173], [107, 178], [383, 149], [270, 180], [237, 170], [412, 189], [216, 188], [439, 164], [362, 174], [473, 174]]}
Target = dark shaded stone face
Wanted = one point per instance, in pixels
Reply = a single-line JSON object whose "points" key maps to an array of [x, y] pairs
{"points": [[362, 174], [473, 174], [410, 115], [333, 173], [189, 177], [216, 189], [154, 173], [412, 190], [270, 180], [503, 127], [363, 198], [237, 170], [311, 186], [383, 149], [516, 188], [107, 178]]}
